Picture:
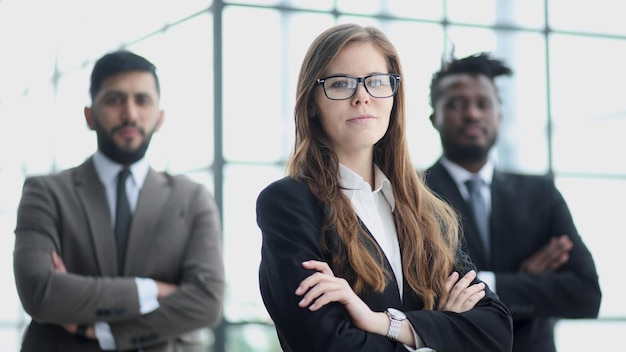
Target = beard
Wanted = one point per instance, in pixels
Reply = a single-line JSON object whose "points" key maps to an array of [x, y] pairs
{"points": [[466, 152], [108, 147]]}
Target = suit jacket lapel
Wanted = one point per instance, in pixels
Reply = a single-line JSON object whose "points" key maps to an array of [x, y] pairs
{"points": [[92, 195], [391, 291], [502, 196], [152, 198], [440, 181]]}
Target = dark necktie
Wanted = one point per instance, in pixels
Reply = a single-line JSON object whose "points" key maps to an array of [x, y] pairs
{"points": [[123, 217], [481, 215]]}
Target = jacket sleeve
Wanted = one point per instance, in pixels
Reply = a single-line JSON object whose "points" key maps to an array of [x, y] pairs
{"points": [[571, 292], [51, 297], [486, 327], [198, 300], [85, 296], [290, 220]]}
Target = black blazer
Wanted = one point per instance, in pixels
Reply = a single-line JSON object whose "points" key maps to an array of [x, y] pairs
{"points": [[526, 212], [290, 218]]}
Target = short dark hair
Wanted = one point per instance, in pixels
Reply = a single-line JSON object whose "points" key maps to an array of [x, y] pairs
{"points": [[117, 62], [477, 64]]}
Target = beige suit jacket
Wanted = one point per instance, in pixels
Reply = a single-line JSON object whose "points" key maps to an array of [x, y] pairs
{"points": [[175, 237]]}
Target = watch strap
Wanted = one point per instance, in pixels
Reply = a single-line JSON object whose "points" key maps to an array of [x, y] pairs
{"points": [[394, 326]]}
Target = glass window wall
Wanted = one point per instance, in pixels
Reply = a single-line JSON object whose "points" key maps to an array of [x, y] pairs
{"points": [[228, 73]]}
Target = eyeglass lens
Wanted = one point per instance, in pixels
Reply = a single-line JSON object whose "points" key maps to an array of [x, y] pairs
{"points": [[378, 86]]}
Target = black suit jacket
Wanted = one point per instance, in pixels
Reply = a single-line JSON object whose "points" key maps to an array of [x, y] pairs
{"points": [[290, 218], [526, 212]]}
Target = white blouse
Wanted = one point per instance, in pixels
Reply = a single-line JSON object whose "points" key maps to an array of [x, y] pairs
{"points": [[375, 209]]}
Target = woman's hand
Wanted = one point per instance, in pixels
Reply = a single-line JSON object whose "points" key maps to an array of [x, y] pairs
{"points": [[323, 287], [462, 295]]}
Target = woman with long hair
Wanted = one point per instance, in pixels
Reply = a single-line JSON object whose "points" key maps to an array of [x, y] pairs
{"points": [[357, 253]]}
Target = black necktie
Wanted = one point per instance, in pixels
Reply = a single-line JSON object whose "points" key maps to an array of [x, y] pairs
{"points": [[481, 215], [122, 219]]}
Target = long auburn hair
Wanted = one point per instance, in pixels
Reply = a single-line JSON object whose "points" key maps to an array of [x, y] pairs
{"points": [[428, 229]]}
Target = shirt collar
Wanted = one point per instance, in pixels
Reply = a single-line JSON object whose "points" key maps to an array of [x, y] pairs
{"points": [[107, 169], [352, 182], [460, 175]]}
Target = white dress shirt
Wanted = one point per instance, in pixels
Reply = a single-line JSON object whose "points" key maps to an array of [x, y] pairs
{"points": [[460, 175], [375, 208]]}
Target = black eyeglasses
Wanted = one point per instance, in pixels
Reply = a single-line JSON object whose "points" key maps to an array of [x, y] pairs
{"points": [[378, 85]]}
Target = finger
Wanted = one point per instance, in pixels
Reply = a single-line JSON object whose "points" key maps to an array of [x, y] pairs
{"points": [[469, 291], [320, 292], [456, 294], [467, 299], [309, 282], [473, 289], [559, 262], [559, 252], [565, 243], [335, 290], [549, 252], [558, 246], [464, 282], [548, 256], [71, 328], [312, 281], [57, 263], [467, 279], [318, 266], [310, 296], [452, 279], [55, 258], [472, 300], [329, 295]]}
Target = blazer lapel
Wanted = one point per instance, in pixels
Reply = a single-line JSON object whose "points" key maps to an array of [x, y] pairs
{"points": [[392, 293], [152, 198], [92, 196], [502, 196], [440, 181]]}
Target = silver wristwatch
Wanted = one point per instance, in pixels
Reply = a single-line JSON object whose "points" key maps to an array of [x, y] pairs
{"points": [[397, 318]]}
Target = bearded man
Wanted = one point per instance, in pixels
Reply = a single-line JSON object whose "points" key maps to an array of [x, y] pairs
{"points": [[112, 255], [518, 229]]}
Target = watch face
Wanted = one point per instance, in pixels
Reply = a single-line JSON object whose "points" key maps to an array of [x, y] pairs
{"points": [[396, 314]]}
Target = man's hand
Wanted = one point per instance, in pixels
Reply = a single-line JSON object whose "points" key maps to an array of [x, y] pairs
{"points": [[549, 258], [57, 263], [87, 331], [165, 289]]}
